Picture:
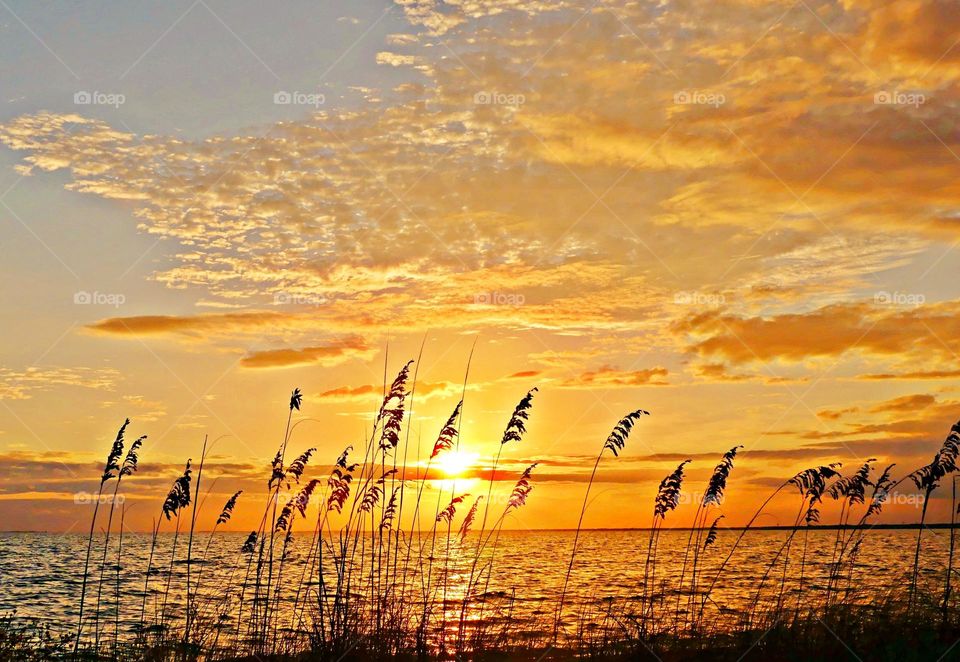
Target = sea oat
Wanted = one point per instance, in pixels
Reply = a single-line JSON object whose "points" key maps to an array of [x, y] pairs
{"points": [[516, 426], [618, 436], [853, 487], [228, 507], [448, 513], [712, 534], [130, 462], [944, 462], [111, 467], [718, 481], [386, 521], [392, 409], [339, 481], [448, 434], [179, 495], [518, 497], [250, 544], [297, 467], [468, 520], [668, 493]]}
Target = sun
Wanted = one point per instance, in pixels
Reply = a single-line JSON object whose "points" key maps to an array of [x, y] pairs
{"points": [[456, 462]]}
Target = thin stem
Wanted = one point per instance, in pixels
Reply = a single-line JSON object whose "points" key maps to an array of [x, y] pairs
{"points": [[916, 554], [86, 566], [193, 523], [573, 551]]}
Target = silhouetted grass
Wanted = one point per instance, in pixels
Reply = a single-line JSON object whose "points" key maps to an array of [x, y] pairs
{"points": [[372, 587]]}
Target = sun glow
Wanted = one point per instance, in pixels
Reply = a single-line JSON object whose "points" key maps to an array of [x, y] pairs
{"points": [[456, 463]]}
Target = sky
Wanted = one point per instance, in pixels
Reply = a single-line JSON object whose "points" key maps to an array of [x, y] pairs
{"points": [[741, 216]]}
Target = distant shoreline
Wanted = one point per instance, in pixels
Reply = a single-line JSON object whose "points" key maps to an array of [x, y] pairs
{"points": [[815, 527]]}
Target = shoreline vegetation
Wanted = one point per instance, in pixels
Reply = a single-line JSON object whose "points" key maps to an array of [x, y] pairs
{"points": [[390, 572], [906, 526]]}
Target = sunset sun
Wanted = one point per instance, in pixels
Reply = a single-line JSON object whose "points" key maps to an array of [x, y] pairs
{"points": [[456, 463]]}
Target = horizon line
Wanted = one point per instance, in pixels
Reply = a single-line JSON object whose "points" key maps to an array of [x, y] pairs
{"points": [[768, 527]]}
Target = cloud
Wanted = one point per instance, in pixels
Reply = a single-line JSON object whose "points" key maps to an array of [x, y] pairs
{"points": [[837, 414], [525, 374], [933, 26], [907, 403], [925, 332], [25, 384], [195, 326], [411, 212], [916, 416], [610, 377], [592, 140], [374, 392], [336, 351], [512, 183], [912, 375], [148, 411]]}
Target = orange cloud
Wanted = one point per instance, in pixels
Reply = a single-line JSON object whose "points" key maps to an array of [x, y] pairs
{"points": [[524, 374], [24, 384], [373, 391], [906, 403], [196, 325], [610, 377], [916, 416], [920, 33], [335, 351], [834, 330], [836, 414], [913, 374]]}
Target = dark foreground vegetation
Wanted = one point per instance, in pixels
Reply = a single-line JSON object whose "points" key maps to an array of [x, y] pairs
{"points": [[375, 581], [883, 634]]}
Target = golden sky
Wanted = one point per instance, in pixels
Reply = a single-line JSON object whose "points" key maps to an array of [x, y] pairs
{"points": [[739, 215]]}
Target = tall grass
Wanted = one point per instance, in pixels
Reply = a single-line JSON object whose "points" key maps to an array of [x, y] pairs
{"points": [[177, 499], [927, 478], [514, 431], [666, 500], [126, 468], [614, 443], [712, 498], [398, 562], [117, 600], [111, 469]]}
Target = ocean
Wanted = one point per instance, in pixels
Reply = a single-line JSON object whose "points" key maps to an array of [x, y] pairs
{"points": [[41, 576]]}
